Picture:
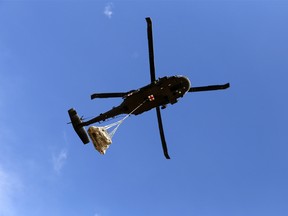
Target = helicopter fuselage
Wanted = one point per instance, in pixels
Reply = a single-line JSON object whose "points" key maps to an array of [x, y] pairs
{"points": [[163, 91]]}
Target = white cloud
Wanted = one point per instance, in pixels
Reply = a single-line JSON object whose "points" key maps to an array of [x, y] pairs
{"points": [[108, 10], [9, 188], [59, 160]]}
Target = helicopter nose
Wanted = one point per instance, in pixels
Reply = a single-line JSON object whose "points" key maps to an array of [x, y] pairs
{"points": [[185, 83]]}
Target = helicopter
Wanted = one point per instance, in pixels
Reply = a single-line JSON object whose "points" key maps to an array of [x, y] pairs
{"points": [[157, 94]]}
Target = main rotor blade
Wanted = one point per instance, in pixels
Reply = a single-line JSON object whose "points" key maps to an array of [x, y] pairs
{"points": [[150, 47], [161, 130], [108, 95], [210, 88]]}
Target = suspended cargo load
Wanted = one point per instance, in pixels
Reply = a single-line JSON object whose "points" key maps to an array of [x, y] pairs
{"points": [[100, 138]]}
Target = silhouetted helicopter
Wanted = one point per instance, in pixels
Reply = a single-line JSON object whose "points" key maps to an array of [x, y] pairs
{"points": [[159, 93]]}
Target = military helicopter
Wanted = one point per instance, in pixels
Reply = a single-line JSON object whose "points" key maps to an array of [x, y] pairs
{"points": [[159, 93]]}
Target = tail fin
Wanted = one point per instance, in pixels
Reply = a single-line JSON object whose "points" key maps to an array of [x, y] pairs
{"points": [[79, 129]]}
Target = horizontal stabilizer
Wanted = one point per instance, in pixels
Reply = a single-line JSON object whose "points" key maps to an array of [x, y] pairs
{"points": [[79, 129]]}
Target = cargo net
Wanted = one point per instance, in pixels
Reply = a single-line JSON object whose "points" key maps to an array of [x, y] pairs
{"points": [[102, 136]]}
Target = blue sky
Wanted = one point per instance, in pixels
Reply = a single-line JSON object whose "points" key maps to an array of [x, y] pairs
{"points": [[228, 148]]}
